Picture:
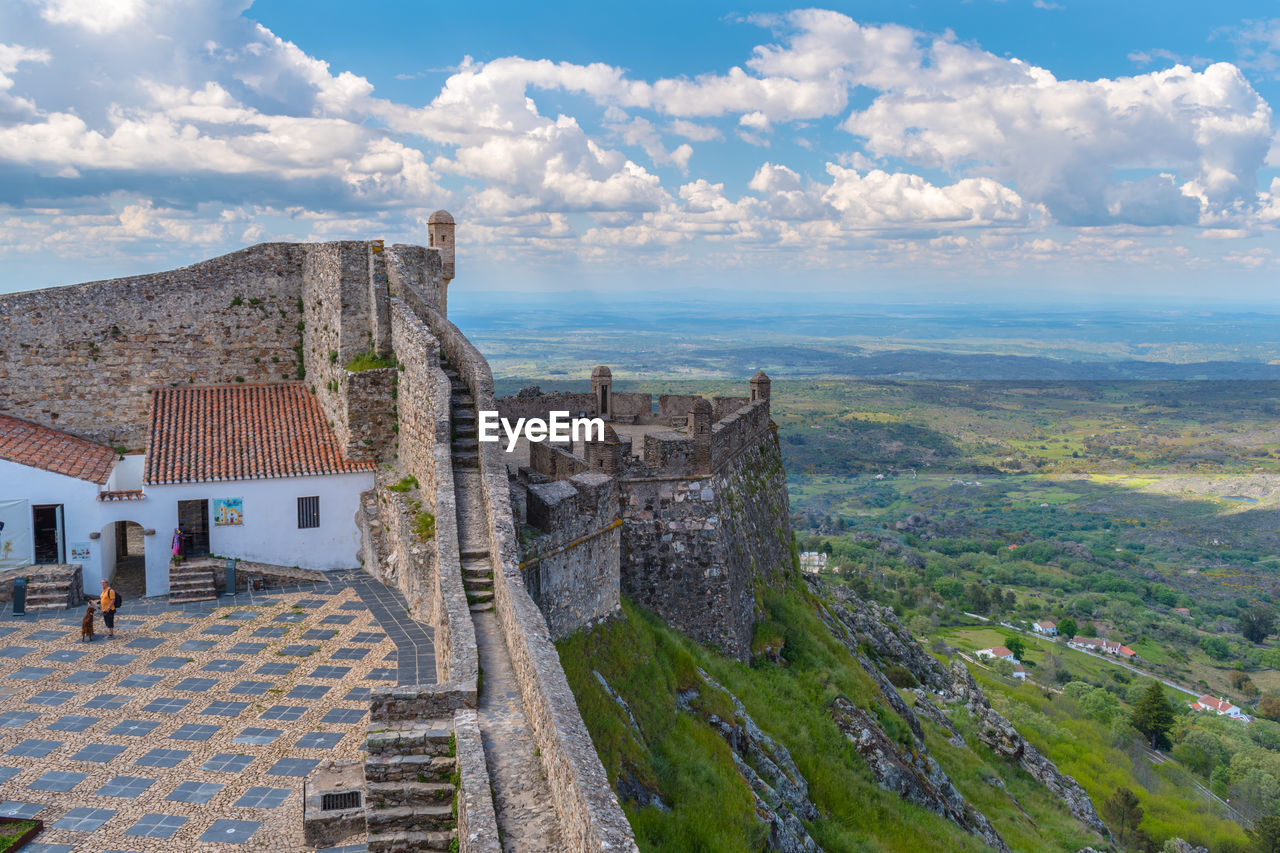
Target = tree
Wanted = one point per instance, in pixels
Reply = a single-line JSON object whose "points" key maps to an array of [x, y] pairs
{"points": [[1153, 717], [1257, 623], [1242, 682], [1215, 647], [1068, 628], [1123, 812], [1087, 630], [1015, 645], [1265, 834], [1269, 706]]}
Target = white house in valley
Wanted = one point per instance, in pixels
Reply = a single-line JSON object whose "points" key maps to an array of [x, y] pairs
{"points": [[1045, 628], [997, 653], [1221, 707], [248, 471]]}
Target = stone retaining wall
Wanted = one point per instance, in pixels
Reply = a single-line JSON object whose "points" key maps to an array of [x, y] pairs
{"points": [[477, 820], [230, 318]]}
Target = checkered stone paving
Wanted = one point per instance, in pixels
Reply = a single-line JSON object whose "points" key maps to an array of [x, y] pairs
{"points": [[194, 728]]}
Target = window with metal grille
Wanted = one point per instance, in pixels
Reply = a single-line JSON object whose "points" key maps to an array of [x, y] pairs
{"points": [[345, 800], [308, 512]]}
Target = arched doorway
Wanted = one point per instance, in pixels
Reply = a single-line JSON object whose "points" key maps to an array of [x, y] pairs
{"points": [[125, 563]]}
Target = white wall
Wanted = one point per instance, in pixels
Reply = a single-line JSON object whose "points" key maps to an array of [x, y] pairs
{"points": [[269, 534], [128, 473], [270, 531]]}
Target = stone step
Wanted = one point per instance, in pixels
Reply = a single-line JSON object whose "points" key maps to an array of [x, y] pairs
{"points": [[417, 739], [416, 819], [409, 768], [484, 575], [48, 586], [410, 842], [191, 597], [47, 605], [450, 372], [461, 401], [466, 459], [479, 596], [474, 554], [190, 580], [480, 606], [465, 443], [391, 795]]}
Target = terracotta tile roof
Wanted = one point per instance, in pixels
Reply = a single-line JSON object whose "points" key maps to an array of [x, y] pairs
{"points": [[53, 450], [240, 432]]}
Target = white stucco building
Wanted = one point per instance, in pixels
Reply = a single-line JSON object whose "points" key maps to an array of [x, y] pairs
{"points": [[247, 471]]}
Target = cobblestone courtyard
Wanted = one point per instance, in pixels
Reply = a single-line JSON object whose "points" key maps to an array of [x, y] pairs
{"points": [[195, 727]]}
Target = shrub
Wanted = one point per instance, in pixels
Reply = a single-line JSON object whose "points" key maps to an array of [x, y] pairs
{"points": [[405, 484], [424, 526], [368, 360]]}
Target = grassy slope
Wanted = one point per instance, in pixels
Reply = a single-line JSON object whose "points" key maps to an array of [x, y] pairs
{"points": [[1083, 748], [684, 760]]}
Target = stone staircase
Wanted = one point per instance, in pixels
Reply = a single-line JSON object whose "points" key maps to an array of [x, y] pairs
{"points": [[189, 582], [410, 779], [477, 569], [50, 593]]}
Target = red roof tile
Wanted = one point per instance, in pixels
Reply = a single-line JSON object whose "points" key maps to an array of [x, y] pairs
{"points": [[53, 450], [240, 432]]}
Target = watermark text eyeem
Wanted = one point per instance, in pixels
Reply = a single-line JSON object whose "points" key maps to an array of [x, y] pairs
{"points": [[558, 428]]}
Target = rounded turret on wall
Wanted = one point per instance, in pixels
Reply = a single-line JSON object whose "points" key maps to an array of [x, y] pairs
{"points": [[602, 391], [760, 386], [440, 227]]}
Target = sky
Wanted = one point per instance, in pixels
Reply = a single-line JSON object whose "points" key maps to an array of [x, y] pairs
{"points": [[1025, 151]]}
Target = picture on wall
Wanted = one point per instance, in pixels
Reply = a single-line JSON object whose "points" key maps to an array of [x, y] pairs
{"points": [[228, 511], [80, 552]]}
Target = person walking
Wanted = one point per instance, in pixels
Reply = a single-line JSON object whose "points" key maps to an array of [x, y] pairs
{"points": [[107, 604]]}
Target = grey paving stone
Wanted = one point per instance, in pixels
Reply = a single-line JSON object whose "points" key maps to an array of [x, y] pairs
{"points": [[246, 648], [338, 619], [229, 762], [223, 708], [128, 787], [172, 627], [115, 660], [358, 694], [41, 847], [299, 650], [84, 819], [156, 826], [275, 668], [381, 674], [329, 671], [310, 603], [259, 737], [133, 728], [251, 688], [353, 605], [59, 781], [298, 767], [230, 831], [16, 719], [319, 634], [195, 731], [31, 673], [51, 697], [288, 713], [145, 643], [221, 630], [349, 654], [34, 748], [193, 791], [222, 665], [319, 740], [168, 662], [142, 681], [196, 646], [344, 716], [46, 636], [73, 723], [100, 753], [110, 701], [196, 685], [166, 705], [85, 676], [308, 691], [291, 617], [7, 773], [163, 758], [240, 615], [65, 656], [269, 631], [16, 808], [261, 797]]}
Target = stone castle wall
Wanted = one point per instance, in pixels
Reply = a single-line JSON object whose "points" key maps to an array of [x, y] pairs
{"points": [[82, 358], [571, 571]]}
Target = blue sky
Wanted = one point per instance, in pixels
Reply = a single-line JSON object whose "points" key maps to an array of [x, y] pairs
{"points": [[1020, 151]]}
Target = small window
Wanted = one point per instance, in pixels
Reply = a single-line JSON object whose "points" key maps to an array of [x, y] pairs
{"points": [[308, 512], [345, 800]]}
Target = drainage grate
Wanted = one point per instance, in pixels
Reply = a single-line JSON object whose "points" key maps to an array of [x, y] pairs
{"points": [[345, 800]]}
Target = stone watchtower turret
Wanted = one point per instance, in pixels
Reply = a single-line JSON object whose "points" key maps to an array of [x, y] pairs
{"points": [[602, 391], [699, 426], [760, 386], [440, 236]]}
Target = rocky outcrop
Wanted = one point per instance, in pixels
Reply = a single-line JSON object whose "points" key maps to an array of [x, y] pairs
{"points": [[1178, 845], [780, 791], [910, 773], [1000, 735], [924, 707], [878, 627]]}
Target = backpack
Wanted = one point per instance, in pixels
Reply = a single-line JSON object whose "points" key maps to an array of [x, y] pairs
{"points": [[119, 599]]}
